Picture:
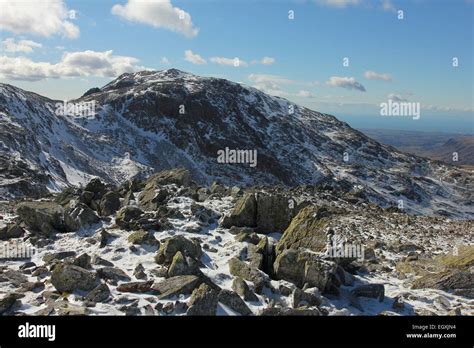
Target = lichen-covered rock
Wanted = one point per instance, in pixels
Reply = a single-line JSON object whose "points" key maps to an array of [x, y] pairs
{"points": [[171, 246], [241, 269], [242, 289], [127, 216], [143, 238], [152, 197], [302, 268], [68, 278], [175, 286], [179, 177], [244, 213], [203, 301], [180, 265], [234, 302], [306, 230]]}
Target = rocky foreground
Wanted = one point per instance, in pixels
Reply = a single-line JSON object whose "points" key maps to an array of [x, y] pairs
{"points": [[166, 246]]}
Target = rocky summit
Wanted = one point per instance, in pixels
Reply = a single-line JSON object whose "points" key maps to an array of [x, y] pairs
{"points": [[168, 245], [148, 121]]}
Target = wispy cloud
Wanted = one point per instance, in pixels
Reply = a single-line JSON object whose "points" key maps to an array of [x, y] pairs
{"points": [[193, 58], [24, 46], [345, 82], [372, 75], [235, 62], [45, 18], [338, 3], [158, 14]]}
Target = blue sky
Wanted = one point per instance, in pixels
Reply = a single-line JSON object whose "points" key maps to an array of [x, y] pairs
{"points": [[47, 50]]}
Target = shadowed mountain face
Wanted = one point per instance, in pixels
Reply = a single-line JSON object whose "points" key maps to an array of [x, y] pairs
{"points": [[150, 121]]}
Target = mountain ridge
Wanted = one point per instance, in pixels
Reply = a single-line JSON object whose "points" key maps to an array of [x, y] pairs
{"points": [[138, 128]]}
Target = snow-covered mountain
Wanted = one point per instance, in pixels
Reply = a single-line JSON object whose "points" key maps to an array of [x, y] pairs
{"points": [[154, 120]]}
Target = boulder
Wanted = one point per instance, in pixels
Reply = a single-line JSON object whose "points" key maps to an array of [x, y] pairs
{"points": [[240, 269], [101, 293], [152, 197], [44, 217], [266, 212], [127, 216], [203, 301], [234, 302], [172, 245], [68, 278], [109, 203], [176, 286], [180, 265], [60, 255], [306, 230], [10, 231], [244, 213], [9, 302], [135, 287], [309, 297], [79, 215], [242, 289], [301, 268], [273, 213], [143, 238], [97, 187], [113, 274], [179, 177]]}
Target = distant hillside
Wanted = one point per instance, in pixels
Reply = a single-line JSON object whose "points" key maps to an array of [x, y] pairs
{"points": [[434, 145]]}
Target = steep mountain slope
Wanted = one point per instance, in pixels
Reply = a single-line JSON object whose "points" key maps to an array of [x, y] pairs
{"points": [[139, 127]]}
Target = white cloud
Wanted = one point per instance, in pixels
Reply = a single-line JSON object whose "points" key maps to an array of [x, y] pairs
{"points": [[387, 5], [72, 64], [193, 58], [165, 61], [158, 14], [338, 3], [345, 82], [396, 97], [267, 61], [305, 94], [43, 18], [372, 75], [235, 62], [25, 46], [274, 84]]}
